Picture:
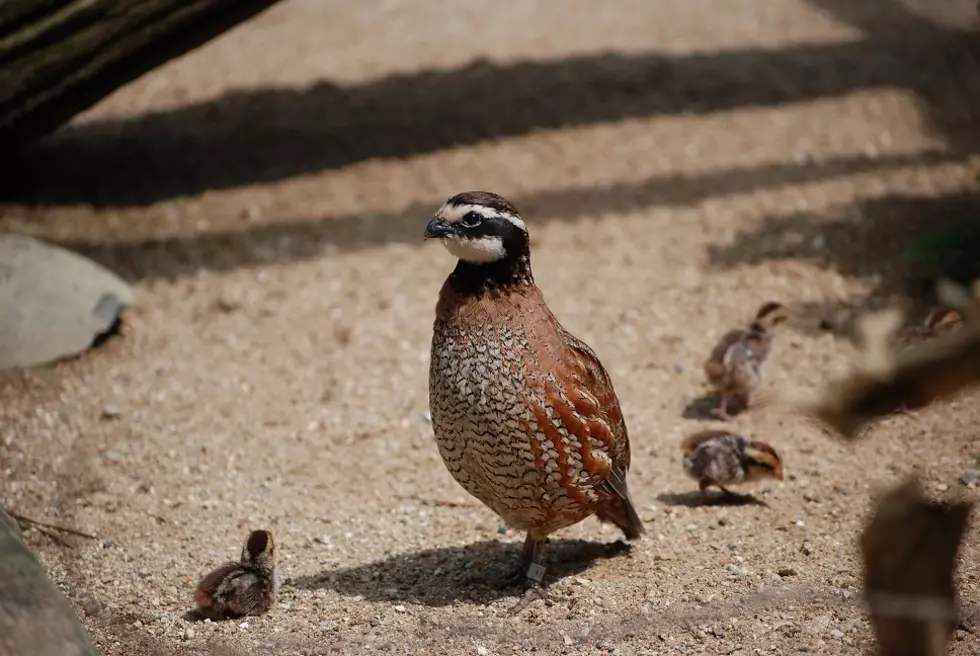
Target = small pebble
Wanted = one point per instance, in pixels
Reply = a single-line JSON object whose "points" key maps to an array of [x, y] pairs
{"points": [[941, 487], [399, 608], [803, 648], [837, 633], [481, 651], [189, 633], [111, 411], [786, 571], [806, 549]]}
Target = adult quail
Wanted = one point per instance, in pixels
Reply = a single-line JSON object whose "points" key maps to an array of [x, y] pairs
{"points": [[525, 416]]}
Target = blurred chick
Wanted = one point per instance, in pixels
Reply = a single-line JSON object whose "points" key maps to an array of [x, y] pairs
{"points": [[735, 365], [248, 587], [720, 458], [939, 322]]}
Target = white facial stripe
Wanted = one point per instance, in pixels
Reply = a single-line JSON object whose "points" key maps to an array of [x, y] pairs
{"points": [[453, 213], [479, 251]]}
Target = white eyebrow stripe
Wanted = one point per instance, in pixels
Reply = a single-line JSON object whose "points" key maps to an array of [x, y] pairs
{"points": [[453, 213]]}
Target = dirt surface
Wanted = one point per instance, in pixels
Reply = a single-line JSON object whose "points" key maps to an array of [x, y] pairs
{"points": [[678, 163]]}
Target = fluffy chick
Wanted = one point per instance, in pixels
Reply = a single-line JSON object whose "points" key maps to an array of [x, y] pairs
{"points": [[721, 458], [735, 364], [248, 587]]}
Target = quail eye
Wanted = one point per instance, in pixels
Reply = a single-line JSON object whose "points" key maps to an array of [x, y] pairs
{"points": [[471, 219]]}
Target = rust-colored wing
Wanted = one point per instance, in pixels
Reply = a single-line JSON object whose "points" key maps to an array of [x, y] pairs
{"points": [[594, 415]]}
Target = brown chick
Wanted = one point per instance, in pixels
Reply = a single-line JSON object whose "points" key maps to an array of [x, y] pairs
{"points": [[939, 322], [720, 458], [525, 416], [248, 587], [735, 365]]}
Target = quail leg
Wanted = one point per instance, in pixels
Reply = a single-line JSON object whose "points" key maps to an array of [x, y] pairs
{"points": [[703, 485], [721, 412], [532, 572]]}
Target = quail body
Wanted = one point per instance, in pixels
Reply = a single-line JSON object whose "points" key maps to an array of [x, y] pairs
{"points": [[735, 365], [722, 458], [248, 587], [525, 416]]}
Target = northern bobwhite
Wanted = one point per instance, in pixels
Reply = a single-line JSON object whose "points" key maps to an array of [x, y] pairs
{"points": [[248, 587], [524, 414], [721, 458], [736, 362]]}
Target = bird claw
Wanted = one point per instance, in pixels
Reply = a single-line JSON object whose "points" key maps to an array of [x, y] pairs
{"points": [[533, 578], [534, 592]]}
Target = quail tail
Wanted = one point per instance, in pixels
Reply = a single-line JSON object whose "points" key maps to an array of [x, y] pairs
{"points": [[617, 506]]}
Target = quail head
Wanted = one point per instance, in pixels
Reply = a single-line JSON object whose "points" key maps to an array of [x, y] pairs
{"points": [[248, 587], [736, 363], [721, 458], [525, 416]]}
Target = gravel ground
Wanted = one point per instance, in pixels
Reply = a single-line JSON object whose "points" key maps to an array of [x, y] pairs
{"points": [[678, 162]]}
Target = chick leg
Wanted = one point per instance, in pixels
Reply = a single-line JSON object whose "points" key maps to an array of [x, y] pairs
{"points": [[533, 573], [703, 486], [721, 412]]}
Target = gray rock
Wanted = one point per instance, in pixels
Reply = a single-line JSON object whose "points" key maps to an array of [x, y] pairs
{"points": [[55, 302], [971, 477], [35, 618]]}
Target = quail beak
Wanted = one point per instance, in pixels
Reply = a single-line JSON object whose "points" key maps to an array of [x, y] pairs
{"points": [[437, 229]]}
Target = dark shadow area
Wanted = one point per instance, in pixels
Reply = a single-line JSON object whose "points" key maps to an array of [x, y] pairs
{"points": [[474, 573], [693, 499], [307, 238], [247, 137], [879, 240], [703, 407]]}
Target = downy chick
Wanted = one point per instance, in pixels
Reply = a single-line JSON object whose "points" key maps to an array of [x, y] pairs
{"points": [[248, 587], [721, 458], [735, 365]]}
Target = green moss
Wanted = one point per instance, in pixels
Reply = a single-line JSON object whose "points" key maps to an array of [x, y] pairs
{"points": [[953, 252]]}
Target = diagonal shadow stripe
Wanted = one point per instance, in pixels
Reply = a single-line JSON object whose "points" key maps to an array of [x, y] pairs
{"points": [[265, 135], [308, 238]]}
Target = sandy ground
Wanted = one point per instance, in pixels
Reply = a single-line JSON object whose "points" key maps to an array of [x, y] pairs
{"points": [[678, 162]]}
